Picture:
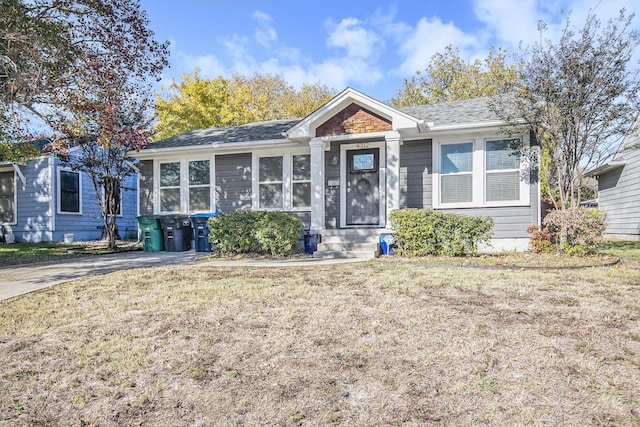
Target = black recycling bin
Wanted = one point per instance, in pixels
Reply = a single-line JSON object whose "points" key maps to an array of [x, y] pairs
{"points": [[201, 231], [176, 230], [150, 233]]}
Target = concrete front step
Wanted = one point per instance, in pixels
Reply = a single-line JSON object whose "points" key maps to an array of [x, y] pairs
{"points": [[349, 243]]}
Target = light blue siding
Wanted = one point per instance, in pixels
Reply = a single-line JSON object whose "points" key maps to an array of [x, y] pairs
{"points": [[35, 218]]}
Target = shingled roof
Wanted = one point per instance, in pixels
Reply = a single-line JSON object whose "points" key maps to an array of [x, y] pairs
{"points": [[468, 111], [259, 131], [471, 111]]}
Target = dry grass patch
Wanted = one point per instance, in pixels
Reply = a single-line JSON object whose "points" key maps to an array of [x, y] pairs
{"points": [[390, 342]]}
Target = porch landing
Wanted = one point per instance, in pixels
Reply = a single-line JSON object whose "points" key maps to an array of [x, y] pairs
{"points": [[361, 243]]}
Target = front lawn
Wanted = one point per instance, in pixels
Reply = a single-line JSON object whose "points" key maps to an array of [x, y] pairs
{"points": [[388, 342], [29, 253]]}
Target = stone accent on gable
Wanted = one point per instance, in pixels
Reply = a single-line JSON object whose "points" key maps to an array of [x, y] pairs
{"points": [[353, 120]]}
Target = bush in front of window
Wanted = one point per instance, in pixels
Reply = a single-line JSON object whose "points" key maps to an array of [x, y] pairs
{"points": [[255, 232], [420, 232]]}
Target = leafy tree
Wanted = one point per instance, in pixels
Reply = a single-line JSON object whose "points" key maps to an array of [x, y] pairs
{"points": [[81, 67], [449, 77], [578, 98], [197, 102]]}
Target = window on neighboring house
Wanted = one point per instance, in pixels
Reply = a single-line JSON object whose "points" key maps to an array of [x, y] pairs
{"points": [[270, 182], [112, 186], [199, 186], [7, 197], [456, 173], [170, 187], [502, 170], [69, 191], [301, 181]]}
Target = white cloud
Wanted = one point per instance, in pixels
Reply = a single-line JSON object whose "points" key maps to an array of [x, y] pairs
{"points": [[265, 33], [431, 36], [359, 42]]}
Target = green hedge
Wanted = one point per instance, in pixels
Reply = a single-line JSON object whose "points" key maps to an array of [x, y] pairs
{"points": [[259, 232], [421, 232]]}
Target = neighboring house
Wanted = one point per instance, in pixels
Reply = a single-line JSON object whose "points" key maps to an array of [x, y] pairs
{"points": [[42, 201], [346, 166], [619, 189]]}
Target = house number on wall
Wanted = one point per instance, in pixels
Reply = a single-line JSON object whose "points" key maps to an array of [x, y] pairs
{"points": [[363, 145]]}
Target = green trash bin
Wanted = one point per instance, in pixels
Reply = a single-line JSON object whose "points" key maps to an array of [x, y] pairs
{"points": [[151, 233]]}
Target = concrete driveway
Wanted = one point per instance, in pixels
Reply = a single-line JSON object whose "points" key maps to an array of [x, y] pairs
{"points": [[19, 280]]}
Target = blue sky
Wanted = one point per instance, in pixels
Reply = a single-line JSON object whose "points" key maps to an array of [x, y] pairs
{"points": [[369, 45]]}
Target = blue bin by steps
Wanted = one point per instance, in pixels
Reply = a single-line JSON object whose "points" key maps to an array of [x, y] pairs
{"points": [[387, 241]]}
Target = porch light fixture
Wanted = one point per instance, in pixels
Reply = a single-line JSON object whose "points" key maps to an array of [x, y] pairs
{"points": [[334, 160]]}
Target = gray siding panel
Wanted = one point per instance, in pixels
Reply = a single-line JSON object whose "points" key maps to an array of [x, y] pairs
{"points": [[146, 193], [332, 193], [619, 197], [233, 182], [510, 222], [415, 174]]}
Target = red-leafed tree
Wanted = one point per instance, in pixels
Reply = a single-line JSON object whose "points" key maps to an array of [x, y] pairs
{"points": [[84, 68]]}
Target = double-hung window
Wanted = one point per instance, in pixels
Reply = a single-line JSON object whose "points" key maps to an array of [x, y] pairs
{"points": [[301, 181], [170, 187], [502, 174], [270, 182], [7, 197], [69, 191], [456, 173], [199, 186]]}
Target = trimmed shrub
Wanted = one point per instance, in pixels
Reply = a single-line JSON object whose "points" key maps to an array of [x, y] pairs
{"points": [[427, 232], [540, 241], [259, 232], [576, 231]]}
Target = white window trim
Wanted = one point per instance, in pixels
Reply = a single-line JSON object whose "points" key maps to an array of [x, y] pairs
{"points": [[287, 179], [209, 185], [478, 175], [15, 199], [59, 192], [159, 188], [299, 181]]}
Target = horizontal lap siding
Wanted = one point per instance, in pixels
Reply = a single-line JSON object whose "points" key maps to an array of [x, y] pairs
{"points": [[147, 196], [233, 182], [415, 174], [332, 193], [619, 197], [509, 222], [35, 219]]}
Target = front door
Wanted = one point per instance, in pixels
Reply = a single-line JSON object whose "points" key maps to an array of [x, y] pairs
{"points": [[363, 187]]}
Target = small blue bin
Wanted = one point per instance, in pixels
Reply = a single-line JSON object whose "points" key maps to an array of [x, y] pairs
{"points": [[311, 243], [386, 243], [201, 231]]}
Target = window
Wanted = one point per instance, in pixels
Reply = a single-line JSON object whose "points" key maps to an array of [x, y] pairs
{"points": [[112, 186], [301, 182], [456, 173], [69, 183], [364, 163], [7, 197], [270, 182], [170, 187], [199, 186], [502, 163]]}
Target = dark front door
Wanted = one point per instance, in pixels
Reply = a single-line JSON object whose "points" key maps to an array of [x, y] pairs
{"points": [[363, 187]]}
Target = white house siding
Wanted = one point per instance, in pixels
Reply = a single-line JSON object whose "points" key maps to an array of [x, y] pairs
{"points": [[619, 197]]}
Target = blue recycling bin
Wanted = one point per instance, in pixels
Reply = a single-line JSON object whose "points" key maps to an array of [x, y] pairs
{"points": [[386, 243], [201, 231], [311, 243]]}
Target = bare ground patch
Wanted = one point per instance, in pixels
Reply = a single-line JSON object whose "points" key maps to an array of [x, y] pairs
{"points": [[383, 343]]}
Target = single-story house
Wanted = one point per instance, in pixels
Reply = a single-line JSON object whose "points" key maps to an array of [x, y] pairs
{"points": [[42, 201], [618, 189], [346, 166]]}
